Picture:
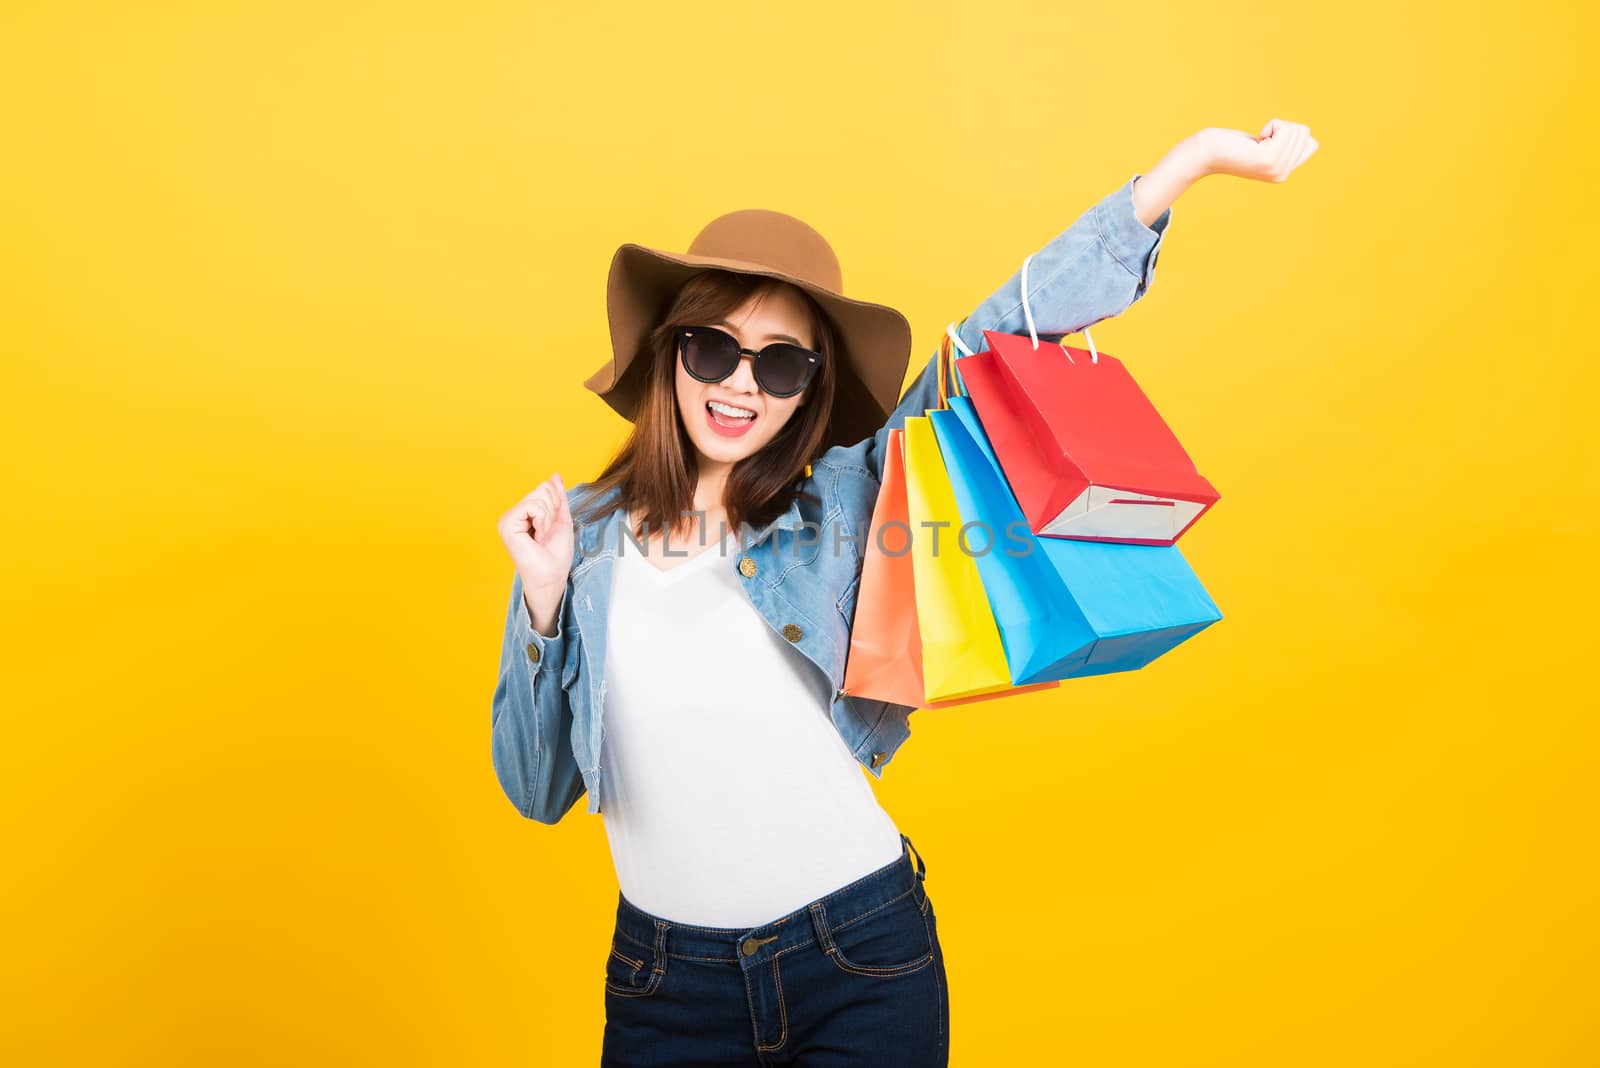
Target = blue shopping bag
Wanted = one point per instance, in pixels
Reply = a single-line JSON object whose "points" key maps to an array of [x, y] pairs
{"points": [[1065, 608]]}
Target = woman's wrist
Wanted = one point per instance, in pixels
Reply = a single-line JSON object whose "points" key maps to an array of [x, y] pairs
{"points": [[542, 607], [1195, 155], [1158, 189]]}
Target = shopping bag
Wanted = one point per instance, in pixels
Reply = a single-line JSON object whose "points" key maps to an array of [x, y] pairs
{"points": [[1086, 454], [961, 650], [1065, 607], [884, 661], [1042, 631]]}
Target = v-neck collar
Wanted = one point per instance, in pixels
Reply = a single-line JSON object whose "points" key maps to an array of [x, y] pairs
{"points": [[641, 560]]}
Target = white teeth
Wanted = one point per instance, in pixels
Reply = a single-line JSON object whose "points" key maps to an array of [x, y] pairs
{"points": [[730, 411]]}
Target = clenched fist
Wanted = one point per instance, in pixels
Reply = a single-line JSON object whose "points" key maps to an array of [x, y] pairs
{"points": [[537, 532], [1270, 156]]}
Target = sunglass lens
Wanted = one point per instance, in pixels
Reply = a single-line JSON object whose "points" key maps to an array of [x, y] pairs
{"points": [[783, 370], [709, 355]]}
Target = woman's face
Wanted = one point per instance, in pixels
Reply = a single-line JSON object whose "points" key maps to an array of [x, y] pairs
{"points": [[724, 438]]}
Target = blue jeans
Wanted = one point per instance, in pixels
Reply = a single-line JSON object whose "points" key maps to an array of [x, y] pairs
{"points": [[854, 978]]}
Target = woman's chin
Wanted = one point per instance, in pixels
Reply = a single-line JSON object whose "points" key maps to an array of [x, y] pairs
{"points": [[724, 451]]}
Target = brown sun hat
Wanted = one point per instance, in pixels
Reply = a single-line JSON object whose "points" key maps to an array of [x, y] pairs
{"points": [[875, 340]]}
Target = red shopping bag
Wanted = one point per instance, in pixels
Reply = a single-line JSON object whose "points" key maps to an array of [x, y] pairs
{"points": [[884, 662], [1086, 454]]}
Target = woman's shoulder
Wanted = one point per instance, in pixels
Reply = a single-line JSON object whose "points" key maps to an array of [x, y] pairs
{"points": [[839, 460], [842, 482], [586, 495]]}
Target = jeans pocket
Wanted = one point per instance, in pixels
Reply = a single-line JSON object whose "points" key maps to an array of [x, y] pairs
{"points": [[892, 940], [632, 970]]}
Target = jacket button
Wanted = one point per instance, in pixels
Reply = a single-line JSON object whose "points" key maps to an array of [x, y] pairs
{"points": [[792, 632], [533, 653], [747, 567], [877, 758]]}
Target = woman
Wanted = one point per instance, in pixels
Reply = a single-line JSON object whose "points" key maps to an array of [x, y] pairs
{"points": [[677, 629]]}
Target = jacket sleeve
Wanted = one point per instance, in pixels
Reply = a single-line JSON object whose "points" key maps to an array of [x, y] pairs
{"points": [[531, 721], [1093, 270]]}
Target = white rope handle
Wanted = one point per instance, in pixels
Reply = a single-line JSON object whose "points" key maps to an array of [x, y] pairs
{"points": [[1094, 353], [1027, 313], [962, 345]]}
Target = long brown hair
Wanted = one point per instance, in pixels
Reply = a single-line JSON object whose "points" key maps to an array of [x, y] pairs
{"points": [[656, 468]]}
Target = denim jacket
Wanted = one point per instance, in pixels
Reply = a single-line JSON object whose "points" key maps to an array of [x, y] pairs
{"points": [[801, 571]]}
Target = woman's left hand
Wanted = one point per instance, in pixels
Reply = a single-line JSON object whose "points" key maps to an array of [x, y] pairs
{"points": [[1271, 156]]}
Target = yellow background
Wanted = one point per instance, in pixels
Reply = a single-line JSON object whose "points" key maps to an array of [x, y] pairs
{"points": [[296, 299]]}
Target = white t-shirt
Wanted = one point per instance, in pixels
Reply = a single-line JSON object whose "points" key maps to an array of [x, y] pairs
{"points": [[729, 797]]}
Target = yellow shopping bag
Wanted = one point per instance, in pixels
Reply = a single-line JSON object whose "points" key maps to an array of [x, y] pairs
{"points": [[961, 650]]}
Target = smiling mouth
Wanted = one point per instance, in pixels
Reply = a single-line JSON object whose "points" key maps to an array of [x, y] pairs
{"points": [[730, 415]]}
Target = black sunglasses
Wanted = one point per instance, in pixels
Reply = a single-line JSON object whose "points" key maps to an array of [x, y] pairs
{"points": [[710, 355]]}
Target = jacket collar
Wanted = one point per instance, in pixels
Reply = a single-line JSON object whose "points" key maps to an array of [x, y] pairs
{"points": [[789, 520]]}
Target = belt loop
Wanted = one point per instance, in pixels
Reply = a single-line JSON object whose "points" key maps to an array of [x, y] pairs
{"points": [[922, 868]]}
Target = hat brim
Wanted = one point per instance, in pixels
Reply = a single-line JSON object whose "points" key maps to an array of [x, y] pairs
{"points": [[875, 339]]}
